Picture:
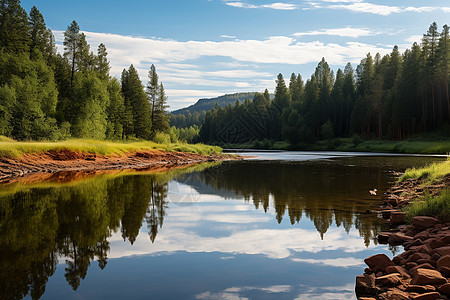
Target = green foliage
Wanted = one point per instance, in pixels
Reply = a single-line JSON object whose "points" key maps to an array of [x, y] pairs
{"points": [[12, 148], [430, 173], [438, 207]]}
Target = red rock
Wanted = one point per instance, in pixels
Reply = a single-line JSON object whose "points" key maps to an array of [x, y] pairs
{"points": [[410, 265], [423, 235], [426, 261], [417, 256], [365, 284], [435, 256], [442, 251], [397, 217], [444, 261], [396, 295], [422, 249], [427, 296], [424, 222], [445, 289], [389, 280], [368, 271], [366, 298], [446, 238], [422, 266], [419, 288], [415, 242], [397, 269], [399, 238], [383, 238], [445, 271], [397, 259], [379, 274], [379, 262], [435, 243], [426, 276]]}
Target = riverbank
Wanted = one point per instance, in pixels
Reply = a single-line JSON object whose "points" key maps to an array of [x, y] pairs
{"points": [[38, 159], [422, 271], [413, 146]]}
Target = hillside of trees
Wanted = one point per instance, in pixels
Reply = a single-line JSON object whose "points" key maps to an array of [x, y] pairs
{"points": [[391, 97], [46, 95]]}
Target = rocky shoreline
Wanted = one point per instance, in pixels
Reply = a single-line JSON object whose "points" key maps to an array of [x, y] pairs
{"points": [[422, 271], [37, 166]]}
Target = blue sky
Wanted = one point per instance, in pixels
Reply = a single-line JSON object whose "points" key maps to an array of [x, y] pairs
{"points": [[206, 48]]}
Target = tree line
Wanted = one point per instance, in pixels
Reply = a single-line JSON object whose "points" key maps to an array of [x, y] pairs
{"points": [[47, 95], [395, 96]]}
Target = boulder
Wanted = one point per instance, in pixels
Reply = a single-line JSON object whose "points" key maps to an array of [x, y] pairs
{"points": [[426, 261], [424, 222], [442, 251], [421, 249], [365, 285], [397, 218], [435, 256], [412, 271], [419, 288], [417, 256], [436, 243], [398, 238], [389, 280], [445, 289], [445, 271], [444, 261], [410, 265], [427, 296], [397, 269], [426, 276], [379, 262]]}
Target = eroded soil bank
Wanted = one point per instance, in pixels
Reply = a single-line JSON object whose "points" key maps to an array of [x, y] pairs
{"points": [[38, 166], [422, 271]]}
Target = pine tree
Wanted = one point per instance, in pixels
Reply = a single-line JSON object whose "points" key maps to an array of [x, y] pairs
{"points": [[38, 32], [14, 29], [152, 94], [71, 46], [102, 66], [135, 97], [161, 119]]}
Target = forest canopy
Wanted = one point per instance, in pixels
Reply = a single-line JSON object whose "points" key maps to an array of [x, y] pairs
{"points": [[53, 96], [390, 97]]}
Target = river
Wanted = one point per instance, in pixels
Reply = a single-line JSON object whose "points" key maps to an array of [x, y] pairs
{"points": [[279, 225]]}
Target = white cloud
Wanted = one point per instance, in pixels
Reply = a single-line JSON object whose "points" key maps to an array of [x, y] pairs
{"points": [[280, 6], [334, 262], [342, 32], [277, 5], [228, 36], [414, 38], [365, 7]]}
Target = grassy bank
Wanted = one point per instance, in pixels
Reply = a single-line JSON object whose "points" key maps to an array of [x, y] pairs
{"points": [[438, 206], [414, 146], [12, 148]]}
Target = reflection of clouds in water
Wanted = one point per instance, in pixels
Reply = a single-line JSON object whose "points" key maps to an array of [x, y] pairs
{"points": [[233, 228], [344, 262], [345, 292], [336, 293], [273, 243], [234, 292]]}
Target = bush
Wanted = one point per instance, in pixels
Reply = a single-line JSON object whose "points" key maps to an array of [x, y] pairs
{"points": [[438, 207], [162, 138]]}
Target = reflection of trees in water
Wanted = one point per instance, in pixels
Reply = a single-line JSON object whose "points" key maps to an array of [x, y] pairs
{"points": [[324, 192], [39, 225]]}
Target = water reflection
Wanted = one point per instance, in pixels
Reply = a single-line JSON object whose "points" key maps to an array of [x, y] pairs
{"points": [[80, 222]]}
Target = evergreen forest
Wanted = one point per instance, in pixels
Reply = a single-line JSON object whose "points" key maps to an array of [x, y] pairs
{"points": [[392, 97], [46, 95]]}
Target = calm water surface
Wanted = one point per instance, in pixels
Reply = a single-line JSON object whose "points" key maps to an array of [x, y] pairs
{"points": [[283, 225]]}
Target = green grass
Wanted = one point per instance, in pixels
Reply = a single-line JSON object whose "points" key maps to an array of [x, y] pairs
{"points": [[438, 207], [11, 148], [429, 173]]}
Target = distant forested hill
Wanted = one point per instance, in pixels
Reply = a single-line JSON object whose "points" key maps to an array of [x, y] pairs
{"points": [[208, 104], [195, 114]]}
